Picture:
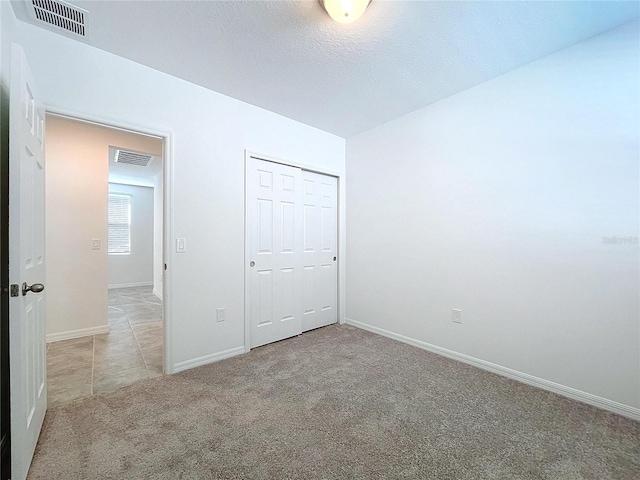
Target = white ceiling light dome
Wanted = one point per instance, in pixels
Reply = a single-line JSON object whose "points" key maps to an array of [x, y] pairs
{"points": [[345, 11]]}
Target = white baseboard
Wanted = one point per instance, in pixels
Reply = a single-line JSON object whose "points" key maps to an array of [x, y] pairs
{"points": [[594, 400], [128, 285], [214, 357], [81, 332], [157, 294]]}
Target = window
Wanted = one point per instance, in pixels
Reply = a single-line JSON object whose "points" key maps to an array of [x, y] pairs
{"points": [[119, 231]]}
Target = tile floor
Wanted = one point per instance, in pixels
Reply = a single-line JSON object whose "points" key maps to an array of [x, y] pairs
{"points": [[131, 351]]}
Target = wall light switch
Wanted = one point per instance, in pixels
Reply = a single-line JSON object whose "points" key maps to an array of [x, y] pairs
{"points": [[221, 314], [181, 245], [95, 244], [457, 315]]}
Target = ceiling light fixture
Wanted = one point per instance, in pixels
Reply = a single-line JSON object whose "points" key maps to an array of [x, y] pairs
{"points": [[345, 11]]}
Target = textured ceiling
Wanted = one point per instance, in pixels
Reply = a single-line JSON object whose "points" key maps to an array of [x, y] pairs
{"points": [[291, 58]]}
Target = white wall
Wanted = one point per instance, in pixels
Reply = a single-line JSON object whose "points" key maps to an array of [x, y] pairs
{"points": [[77, 174], [210, 133], [158, 210], [496, 201], [136, 268]]}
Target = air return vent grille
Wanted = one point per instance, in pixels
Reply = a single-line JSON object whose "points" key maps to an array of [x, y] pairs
{"points": [[133, 158], [60, 14]]}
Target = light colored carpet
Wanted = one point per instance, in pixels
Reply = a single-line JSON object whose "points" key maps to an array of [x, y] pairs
{"points": [[337, 402]]}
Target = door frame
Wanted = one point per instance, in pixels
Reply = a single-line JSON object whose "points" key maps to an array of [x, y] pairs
{"points": [[5, 397], [167, 216], [248, 155]]}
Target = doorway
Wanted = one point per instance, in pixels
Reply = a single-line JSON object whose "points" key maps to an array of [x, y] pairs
{"points": [[292, 243], [105, 213]]}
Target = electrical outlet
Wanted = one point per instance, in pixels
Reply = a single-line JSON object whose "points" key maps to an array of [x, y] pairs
{"points": [[456, 316], [95, 244], [221, 314]]}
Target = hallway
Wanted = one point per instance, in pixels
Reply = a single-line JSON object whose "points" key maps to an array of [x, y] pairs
{"points": [[130, 352]]}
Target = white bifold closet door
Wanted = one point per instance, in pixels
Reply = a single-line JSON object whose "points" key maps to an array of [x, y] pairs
{"points": [[319, 250], [292, 245]]}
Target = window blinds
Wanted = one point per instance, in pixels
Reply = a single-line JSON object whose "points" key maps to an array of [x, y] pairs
{"points": [[119, 230]]}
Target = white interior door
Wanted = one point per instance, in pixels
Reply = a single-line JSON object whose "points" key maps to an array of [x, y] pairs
{"points": [[292, 250], [274, 241], [320, 251], [26, 265]]}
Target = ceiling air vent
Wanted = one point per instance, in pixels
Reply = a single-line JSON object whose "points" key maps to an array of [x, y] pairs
{"points": [[133, 158], [60, 14]]}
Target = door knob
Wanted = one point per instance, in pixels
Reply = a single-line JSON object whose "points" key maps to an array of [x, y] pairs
{"points": [[252, 264], [35, 288]]}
